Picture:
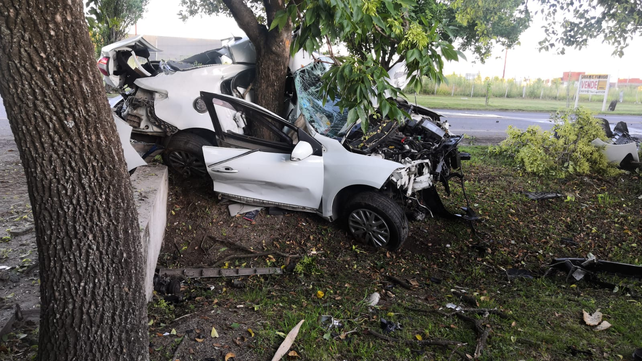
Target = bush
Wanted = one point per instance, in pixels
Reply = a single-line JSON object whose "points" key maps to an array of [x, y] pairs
{"points": [[564, 150]]}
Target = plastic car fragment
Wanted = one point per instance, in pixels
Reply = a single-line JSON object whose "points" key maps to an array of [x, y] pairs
{"points": [[588, 268], [623, 148]]}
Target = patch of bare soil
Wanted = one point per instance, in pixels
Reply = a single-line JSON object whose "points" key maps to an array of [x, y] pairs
{"points": [[18, 253], [201, 233]]}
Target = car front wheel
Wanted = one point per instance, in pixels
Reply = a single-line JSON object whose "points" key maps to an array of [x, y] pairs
{"points": [[374, 218], [184, 155]]}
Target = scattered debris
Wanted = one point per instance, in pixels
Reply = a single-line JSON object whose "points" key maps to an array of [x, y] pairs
{"points": [[287, 343], [165, 284], [389, 326], [538, 196], [622, 149], [276, 211], [594, 319], [453, 307], [250, 216], [330, 322], [373, 299], [239, 208], [580, 267], [219, 272], [469, 300], [514, 273], [602, 326]]}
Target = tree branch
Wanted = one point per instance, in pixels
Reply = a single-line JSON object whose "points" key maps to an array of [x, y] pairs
{"points": [[247, 21]]}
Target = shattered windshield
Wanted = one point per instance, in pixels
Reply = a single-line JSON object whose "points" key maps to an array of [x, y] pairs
{"points": [[325, 119]]}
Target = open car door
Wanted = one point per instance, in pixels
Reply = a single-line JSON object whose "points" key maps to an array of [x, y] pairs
{"points": [[278, 164]]}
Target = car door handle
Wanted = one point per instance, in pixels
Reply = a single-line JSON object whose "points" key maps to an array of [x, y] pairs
{"points": [[224, 170]]}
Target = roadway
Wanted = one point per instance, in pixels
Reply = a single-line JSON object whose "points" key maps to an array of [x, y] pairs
{"points": [[486, 126], [492, 125]]}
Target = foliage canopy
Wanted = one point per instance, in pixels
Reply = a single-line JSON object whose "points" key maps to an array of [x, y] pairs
{"points": [[109, 20]]}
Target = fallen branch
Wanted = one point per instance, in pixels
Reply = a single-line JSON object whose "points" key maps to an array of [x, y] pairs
{"points": [[480, 329], [442, 343], [400, 282], [231, 244], [436, 342], [178, 348]]}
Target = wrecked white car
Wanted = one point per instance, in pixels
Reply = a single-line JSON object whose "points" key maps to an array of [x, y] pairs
{"points": [[370, 181], [309, 160], [161, 99]]}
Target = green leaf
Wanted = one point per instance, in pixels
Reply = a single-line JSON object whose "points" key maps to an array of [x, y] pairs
{"points": [[385, 107], [352, 116]]}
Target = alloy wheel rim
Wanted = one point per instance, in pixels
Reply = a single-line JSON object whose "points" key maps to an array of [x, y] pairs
{"points": [[186, 163], [368, 226]]}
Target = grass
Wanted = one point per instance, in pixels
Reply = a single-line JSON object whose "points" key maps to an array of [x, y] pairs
{"points": [[598, 215], [516, 104]]}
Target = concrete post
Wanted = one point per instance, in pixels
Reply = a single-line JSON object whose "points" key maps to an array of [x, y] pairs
{"points": [[577, 95], [606, 93]]}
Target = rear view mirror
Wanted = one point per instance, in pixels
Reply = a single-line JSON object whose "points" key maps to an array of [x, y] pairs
{"points": [[301, 151]]}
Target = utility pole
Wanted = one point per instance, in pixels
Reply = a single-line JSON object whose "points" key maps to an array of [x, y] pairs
{"points": [[505, 57], [568, 90]]}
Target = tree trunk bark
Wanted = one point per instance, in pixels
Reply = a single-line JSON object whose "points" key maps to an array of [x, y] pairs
{"points": [[89, 251], [272, 51], [272, 68]]}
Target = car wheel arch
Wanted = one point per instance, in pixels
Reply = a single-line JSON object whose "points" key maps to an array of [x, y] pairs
{"points": [[201, 132], [344, 195]]}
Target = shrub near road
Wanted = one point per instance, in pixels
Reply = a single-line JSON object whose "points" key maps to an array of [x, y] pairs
{"points": [[441, 261], [564, 150]]}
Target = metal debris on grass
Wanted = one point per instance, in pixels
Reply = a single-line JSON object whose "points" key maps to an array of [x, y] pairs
{"points": [[389, 326]]}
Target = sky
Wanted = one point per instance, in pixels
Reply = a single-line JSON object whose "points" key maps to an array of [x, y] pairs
{"points": [[523, 61]]}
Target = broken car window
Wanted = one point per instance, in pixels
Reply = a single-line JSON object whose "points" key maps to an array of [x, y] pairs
{"points": [[325, 119]]}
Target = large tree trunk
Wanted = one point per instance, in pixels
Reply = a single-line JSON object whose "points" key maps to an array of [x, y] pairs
{"points": [[89, 251], [272, 50], [271, 70]]}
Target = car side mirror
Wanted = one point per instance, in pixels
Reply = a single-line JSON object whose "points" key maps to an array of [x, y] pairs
{"points": [[301, 151]]}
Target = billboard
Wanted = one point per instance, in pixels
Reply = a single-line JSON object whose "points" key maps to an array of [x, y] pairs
{"points": [[594, 83]]}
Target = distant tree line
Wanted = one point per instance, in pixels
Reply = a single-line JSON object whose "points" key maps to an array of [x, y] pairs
{"points": [[458, 85]]}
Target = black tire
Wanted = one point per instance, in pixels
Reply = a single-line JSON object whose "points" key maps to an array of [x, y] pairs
{"points": [[184, 155], [374, 218]]}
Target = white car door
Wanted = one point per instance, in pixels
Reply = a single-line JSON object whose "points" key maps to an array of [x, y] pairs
{"points": [[286, 172]]}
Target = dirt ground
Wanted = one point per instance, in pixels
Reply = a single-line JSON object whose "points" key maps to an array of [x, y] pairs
{"points": [[19, 280]]}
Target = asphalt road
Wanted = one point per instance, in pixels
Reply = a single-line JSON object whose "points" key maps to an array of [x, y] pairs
{"points": [[493, 124], [486, 126]]}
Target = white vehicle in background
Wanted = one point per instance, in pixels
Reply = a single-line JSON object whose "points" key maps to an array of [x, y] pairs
{"points": [[161, 99]]}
